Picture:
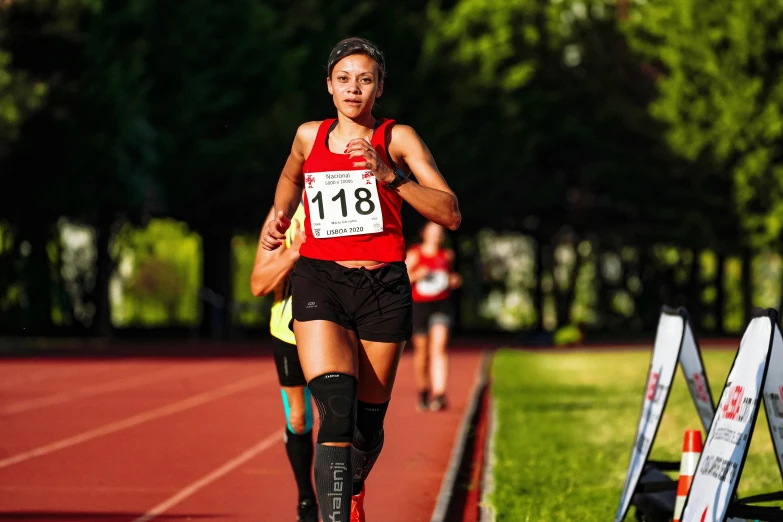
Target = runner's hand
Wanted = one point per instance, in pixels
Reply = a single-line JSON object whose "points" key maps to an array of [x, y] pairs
{"points": [[361, 149], [420, 272], [274, 232], [455, 280]]}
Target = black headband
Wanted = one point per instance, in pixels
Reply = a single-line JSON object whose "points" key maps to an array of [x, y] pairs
{"points": [[351, 46]]}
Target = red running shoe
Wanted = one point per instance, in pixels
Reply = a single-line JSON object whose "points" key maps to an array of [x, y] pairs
{"points": [[357, 506]]}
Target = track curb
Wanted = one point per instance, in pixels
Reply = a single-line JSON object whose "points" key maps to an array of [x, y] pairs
{"points": [[486, 507], [445, 505]]}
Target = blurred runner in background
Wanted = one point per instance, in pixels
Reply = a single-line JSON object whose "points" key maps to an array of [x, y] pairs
{"points": [[430, 271]]}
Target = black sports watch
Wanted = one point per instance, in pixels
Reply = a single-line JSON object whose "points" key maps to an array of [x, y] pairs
{"points": [[399, 179]]}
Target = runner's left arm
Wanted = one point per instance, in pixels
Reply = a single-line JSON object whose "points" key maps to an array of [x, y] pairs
{"points": [[430, 195]]}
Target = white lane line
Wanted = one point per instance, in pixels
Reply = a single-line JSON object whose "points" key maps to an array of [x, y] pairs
{"points": [[42, 375], [135, 420], [207, 479], [96, 389]]}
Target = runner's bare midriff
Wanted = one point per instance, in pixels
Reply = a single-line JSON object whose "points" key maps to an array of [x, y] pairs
{"points": [[359, 264]]}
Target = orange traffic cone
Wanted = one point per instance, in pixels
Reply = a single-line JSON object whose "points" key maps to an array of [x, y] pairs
{"points": [[691, 450]]}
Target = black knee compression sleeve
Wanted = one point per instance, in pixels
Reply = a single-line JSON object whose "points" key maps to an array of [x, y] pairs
{"points": [[369, 424], [368, 441], [335, 397]]}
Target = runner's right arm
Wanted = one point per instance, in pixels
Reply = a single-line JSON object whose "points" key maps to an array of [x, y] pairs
{"points": [[271, 267], [289, 187]]}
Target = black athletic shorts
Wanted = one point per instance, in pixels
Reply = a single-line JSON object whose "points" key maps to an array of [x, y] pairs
{"points": [[433, 312], [374, 303], [289, 370]]}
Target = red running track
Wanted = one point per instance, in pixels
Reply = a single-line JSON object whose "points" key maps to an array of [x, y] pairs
{"points": [[146, 438]]}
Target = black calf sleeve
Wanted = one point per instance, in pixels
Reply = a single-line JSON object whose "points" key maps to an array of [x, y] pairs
{"points": [[299, 448], [333, 482], [335, 397]]}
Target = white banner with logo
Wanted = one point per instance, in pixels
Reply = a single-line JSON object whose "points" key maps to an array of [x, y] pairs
{"points": [[773, 397], [729, 436], [666, 354], [693, 368]]}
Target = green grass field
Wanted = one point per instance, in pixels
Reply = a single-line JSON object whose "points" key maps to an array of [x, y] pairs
{"points": [[566, 422]]}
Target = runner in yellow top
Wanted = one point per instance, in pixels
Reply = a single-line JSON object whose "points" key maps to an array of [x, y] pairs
{"points": [[271, 274]]}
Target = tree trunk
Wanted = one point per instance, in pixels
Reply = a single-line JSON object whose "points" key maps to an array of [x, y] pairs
{"points": [[693, 289], [566, 296], [605, 287], [38, 279], [747, 284], [101, 325], [217, 284], [648, 305], [720, 297], [538, 291]]}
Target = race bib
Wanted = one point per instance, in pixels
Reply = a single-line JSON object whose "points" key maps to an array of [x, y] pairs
{"points": [[433, 283], [343, 203]]}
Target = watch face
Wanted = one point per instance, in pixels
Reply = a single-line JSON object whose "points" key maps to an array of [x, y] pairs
{"points": [[399, 178]]}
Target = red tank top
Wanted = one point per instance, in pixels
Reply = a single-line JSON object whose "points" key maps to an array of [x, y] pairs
{"points": [[435, 285], [385, 246]]}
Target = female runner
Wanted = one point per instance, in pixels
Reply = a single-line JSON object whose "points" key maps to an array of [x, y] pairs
{"points": [[352, 305]]}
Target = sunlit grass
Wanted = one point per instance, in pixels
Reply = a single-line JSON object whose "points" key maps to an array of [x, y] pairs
{"points": [[566, 423]]}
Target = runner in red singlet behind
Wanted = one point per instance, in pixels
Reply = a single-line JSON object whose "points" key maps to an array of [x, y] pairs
{"points": [[430, 272], [352, 304]]}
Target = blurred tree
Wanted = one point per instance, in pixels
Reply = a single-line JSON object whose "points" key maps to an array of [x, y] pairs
{"points": [[249, 310], [566, 121], [221, 102], [19, 94], [158, 276], [39, 47], [720, 97], [99, 160], [565, 132], [157, 281]]}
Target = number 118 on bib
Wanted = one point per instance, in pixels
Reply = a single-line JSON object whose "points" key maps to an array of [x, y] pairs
{"points": [[343, 203]]}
